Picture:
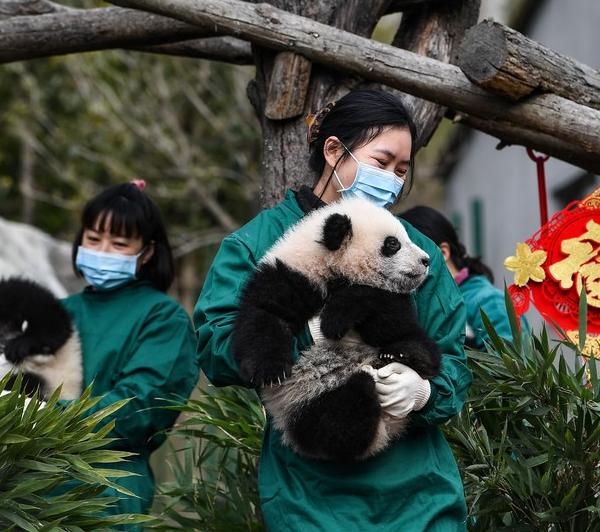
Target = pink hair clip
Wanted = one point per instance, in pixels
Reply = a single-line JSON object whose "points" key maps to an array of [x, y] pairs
{"points": [[140, 183]]}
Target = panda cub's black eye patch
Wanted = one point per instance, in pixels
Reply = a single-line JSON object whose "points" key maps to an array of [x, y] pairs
{"points": [[391, 245]]}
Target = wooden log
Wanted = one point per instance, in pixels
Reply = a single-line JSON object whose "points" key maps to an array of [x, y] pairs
{"points": [[504, 61], [288, 86], [396, 6], [225, 49], [17, 8], [434, 30], [427, 78], [63, 30], [509, 135]]}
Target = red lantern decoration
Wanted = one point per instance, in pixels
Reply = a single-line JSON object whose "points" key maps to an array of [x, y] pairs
{"points": [[556, 264]]}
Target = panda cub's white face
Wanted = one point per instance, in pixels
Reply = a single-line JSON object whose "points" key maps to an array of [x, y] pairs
{"points": [[370, 246], [377, 251]]}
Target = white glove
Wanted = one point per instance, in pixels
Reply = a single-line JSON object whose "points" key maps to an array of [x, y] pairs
{"points": [[401, 389]]}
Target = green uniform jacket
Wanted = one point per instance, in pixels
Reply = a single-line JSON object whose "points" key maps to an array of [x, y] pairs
{"points": [[413, 486], [137, 343], [479, 294]]}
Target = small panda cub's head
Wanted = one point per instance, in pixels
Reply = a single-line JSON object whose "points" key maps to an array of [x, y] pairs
{"points": [[370, 246]]}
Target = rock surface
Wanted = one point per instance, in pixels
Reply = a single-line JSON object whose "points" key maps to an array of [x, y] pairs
{"points": [[28, 252]]}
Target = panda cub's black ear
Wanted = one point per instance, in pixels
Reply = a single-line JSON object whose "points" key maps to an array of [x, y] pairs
{"points": [[336, 228]]}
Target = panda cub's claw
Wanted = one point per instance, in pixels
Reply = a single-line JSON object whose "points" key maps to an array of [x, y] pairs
{"points": [[386, 357], [260, 375]]}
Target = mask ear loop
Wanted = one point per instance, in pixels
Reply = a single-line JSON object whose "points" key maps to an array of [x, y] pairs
{"points": [[343, 188], [331, 174]]}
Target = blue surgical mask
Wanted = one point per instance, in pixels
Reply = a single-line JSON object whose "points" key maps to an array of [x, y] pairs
{"points": [[106, 270], [379, 186]]}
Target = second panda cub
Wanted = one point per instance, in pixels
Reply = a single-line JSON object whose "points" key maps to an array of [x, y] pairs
{"points": [[38, 340], [352, 264]]}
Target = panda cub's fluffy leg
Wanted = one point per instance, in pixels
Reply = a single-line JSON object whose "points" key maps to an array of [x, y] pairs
{"points": [[275, 305], [328, 408], [342, 424]]}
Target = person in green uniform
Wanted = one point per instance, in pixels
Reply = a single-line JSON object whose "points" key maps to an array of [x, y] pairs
{"points": [[474, 278], [363, 145], [137, 342]]}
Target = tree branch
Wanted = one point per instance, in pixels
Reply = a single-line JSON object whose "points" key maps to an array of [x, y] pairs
{"points": [[503, 60], [434, 30], [397, 6], [509, 135], [60, 30], [427, 78], [17, 8], [225, 49]]}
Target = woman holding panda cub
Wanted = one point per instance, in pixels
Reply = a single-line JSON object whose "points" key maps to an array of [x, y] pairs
{"points": [[366, 138]]}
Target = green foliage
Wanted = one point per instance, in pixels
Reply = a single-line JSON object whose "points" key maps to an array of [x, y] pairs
{"points": [[215, 486], [51, 465], [91, 120], [528, 441]]}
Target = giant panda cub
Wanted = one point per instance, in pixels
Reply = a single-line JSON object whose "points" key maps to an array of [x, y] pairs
{"points": [[37, 339], [351, 267]]}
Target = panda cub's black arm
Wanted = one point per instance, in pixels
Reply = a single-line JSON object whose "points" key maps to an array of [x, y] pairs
{"points": [[372, 312], [275, 305], [393, 327], [417, 351], [383, 319], [346, 306]]}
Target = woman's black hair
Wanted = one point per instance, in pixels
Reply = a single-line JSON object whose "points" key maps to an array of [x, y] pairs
{"points": [[131, 214], [438, 228], [356, 119]]}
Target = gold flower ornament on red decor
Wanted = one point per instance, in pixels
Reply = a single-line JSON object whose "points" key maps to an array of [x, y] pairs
{"points": [[526, 264]]}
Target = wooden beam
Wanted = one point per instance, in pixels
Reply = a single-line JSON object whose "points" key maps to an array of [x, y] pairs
{"points": [[18, 8], [63, 30], [434, 30], [509, 135], [397, 6], [427, 78], [504, 61], [288, 86], [225, 49]]}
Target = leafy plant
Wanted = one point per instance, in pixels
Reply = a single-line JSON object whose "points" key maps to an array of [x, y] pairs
{"points": [[528, 441], [215, 486], [51, 474]]}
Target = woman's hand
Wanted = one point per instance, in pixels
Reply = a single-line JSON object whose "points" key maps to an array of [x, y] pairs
{"points": [[401, 390]]}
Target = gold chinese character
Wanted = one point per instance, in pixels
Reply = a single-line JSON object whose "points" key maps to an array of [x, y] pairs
{"points": [[589, 275], [579, 253]]}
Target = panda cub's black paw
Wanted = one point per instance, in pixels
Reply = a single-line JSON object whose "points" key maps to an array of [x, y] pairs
{"points": [[388, 358], [18, 349], [261, 373], [335, 328]]}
